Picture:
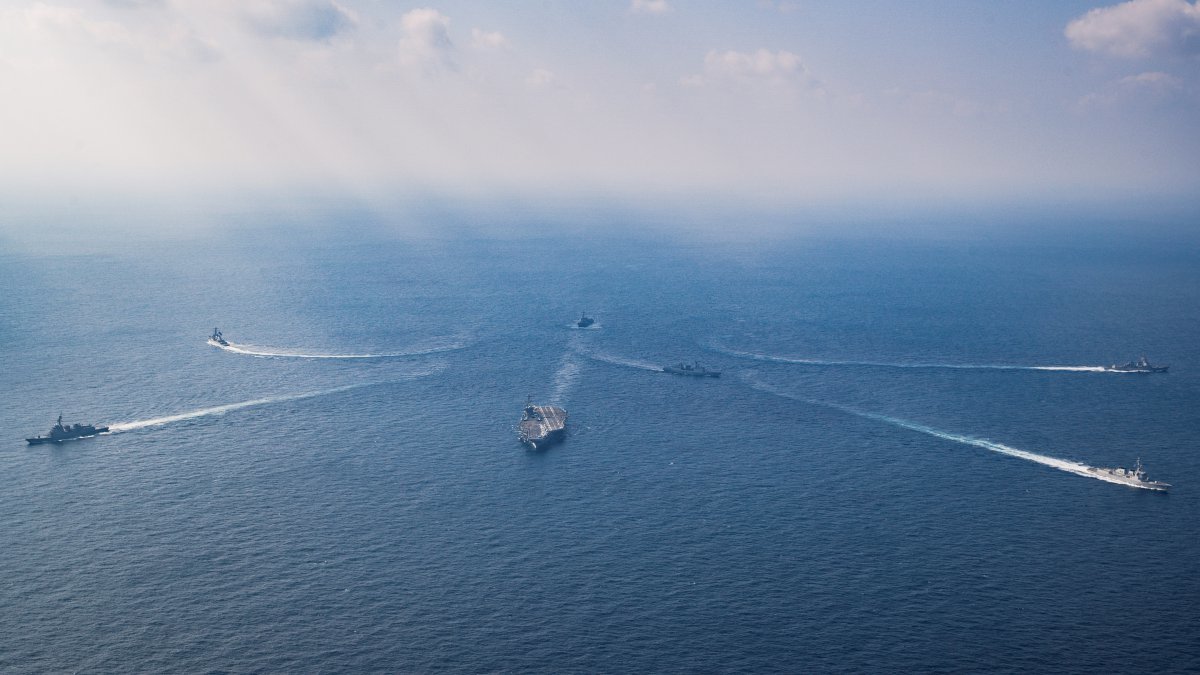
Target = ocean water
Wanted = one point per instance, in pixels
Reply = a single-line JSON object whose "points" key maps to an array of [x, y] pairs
{"points": [[839, 500]]}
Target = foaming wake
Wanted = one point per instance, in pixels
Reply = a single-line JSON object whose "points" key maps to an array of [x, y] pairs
{"points": [[568, 370], [565, 378], [880, 364], [222, 409], [288, 354], [622, 361], [1077, 468]]}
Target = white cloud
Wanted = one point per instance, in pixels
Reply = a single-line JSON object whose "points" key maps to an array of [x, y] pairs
{"points": [[541, 79], [783, 6], [1155, 80], [102, 96], [761, 63], [135, 4], [930, 103], [1139, 28], [1144, 89], [70, 30], [650, 7], [482, 39], [299, 19], [65, 20], [426, 39], [762, 66]]}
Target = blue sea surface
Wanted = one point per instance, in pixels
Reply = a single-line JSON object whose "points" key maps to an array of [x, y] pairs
{"points": [[378, 513]]}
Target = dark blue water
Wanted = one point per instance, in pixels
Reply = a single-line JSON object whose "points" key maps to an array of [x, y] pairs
{"points": [[378, 513]]}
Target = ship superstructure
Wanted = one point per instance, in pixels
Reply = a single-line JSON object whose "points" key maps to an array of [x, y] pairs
{"points": [[61, 432], [1135, 477], [691, 370], [1140, 366]]}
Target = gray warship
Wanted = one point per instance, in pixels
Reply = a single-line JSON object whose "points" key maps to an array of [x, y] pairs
{"points": [[1139, 366], [691, 370], [1135, 477], [585, 321], [541, 425], [61, 432], [217, 340]]}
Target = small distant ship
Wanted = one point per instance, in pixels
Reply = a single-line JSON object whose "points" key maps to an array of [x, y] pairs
{"points": [[585, 321], [1135, 477], [691, 370], [1139, 366], [61, 432], [542, 425], [217, 340]]}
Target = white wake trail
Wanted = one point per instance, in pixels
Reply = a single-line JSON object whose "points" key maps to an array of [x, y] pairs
{"points": [[565, 378], [1077, 468], [568, 370], [623, 361], [250, 350], [222, 409], [1069, 466], [880, 364]]}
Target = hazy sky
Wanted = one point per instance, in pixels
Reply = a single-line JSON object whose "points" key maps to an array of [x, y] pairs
{"points": [[786, 102]]}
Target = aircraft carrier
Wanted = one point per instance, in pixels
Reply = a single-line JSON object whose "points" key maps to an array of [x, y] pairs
{"points": [[542, 425]]}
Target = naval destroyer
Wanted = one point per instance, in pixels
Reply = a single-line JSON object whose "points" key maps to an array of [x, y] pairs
{"points": [[61, 432], [541, 425], [691, 370], [1139, 366], [1134, 477]]}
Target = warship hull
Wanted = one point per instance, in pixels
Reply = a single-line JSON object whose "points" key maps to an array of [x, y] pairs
{"points": [[1142, 365], [540, 442], [1135, 477], [542, 426], [70, 436], [1137, 369], [1113, 476], [690, 371]]}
